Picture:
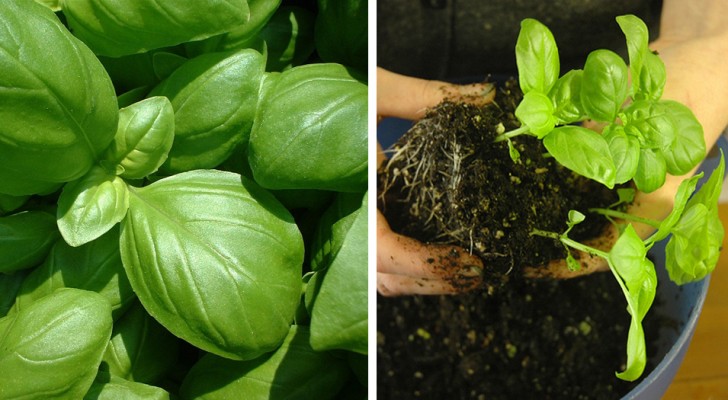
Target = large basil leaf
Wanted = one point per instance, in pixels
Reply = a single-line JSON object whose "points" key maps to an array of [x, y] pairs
{"points": [[53, 348], [58, 108], [25, 239], [140, 350], [144, 137], [688, 149], [338, 294], [537, 57], [238, 38], [604, 85], [583, 151], [114, 28], [90, 206], [215, 259], [111, 387], [311, 131], [214, 97], [341, 32], [95, 266], [293, 371]]}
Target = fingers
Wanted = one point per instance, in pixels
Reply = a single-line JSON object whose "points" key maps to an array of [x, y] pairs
{"points": [[557, 269], [406, 97], [407, 266]]}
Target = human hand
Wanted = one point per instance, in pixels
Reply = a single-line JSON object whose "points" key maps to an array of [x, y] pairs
{"points": [[405, 265]]}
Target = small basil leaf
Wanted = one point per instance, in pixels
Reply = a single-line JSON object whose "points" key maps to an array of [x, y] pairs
{"points": [[604, 85], [625, 151], [54, 125], [111, 387], [144, 137], [536, 111], [566, 96], [117, 29], [215, 259], [54, 347], [140, 350], [95, 266], [637, 37], [693, 250], [684, 191], [651, 171], [582, 151], [513, 151], [293, 371], [628, 259], [339, 317], [537, 57], [164, 63], [214, 97], [652, 78], [308, 113], [688, 149], [90, 206], [25, 239]]}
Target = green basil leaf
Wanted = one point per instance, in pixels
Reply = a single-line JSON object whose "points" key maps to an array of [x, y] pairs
{"points": [[339, 315], [651, 171], [604, 85], [53, 348], [215, 259], [628, 259], [652, 78], [653, 123], [311, 131], [537, 57], [214, 97], [25, 239], [165, 63], [54, 125], [694, 248], [9, 287], [582, 151], [95, 266], [239, 37], [688, 149], [637, 36], [293, 371], [52, 4], [332, 229], [91, 206], [144, 137], [288, 37], [111, 387], [709, 193], [536, 111], [10, 203], [140, 350], [117, 29], [625, 151], [341, 32], [566, 96], [684, 191]]}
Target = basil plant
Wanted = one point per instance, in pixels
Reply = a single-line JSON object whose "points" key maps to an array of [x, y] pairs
{"points": [[172, 177]]}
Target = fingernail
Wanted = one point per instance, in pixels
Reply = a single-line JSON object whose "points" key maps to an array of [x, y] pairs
{"points": [[471, 271]]}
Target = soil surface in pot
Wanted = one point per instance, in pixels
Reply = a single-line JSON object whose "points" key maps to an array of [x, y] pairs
{"points": [[448, 182]]}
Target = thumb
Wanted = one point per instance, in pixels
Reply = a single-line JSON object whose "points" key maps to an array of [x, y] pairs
{"points": [[407, 97]]}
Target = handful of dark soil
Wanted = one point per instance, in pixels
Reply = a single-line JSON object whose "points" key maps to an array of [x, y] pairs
{"points": [[446, 181]]}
